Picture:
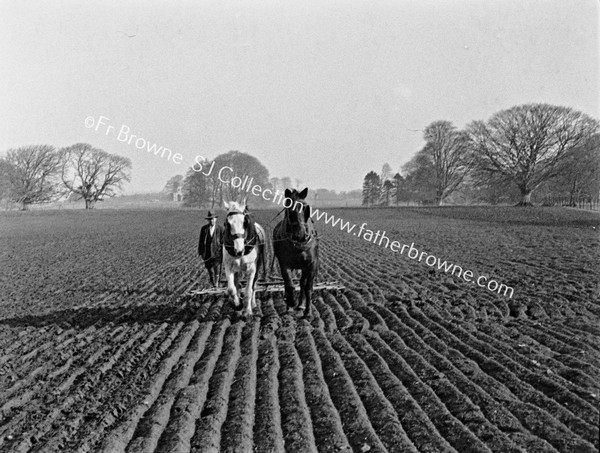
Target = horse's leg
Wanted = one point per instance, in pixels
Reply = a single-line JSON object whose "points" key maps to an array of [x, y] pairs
{"points": [[309, 281], [254, 280], [232, 287], [301, 296], [258, 264], [286, 273], [238, 287], [263, 257], [250, 302]]}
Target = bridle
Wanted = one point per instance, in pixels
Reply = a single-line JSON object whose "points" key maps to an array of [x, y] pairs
{"points": [[308, 237], [249, 244]]}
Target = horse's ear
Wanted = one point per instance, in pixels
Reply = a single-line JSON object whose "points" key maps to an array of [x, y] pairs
{"points": [[287, 193], [245, 202], [226, 204], [307, 212], [302, 195]]}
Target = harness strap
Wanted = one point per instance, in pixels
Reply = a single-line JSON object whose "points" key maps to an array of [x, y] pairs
{"points": [[249, 244], [300, 245]]}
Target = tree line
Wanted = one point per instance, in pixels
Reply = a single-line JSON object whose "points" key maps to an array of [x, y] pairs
{"points": [[42, 173], [205, 187], [209, 182], [549, 149]]}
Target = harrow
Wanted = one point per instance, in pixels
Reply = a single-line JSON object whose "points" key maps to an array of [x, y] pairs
{"points": [[272, 285]]}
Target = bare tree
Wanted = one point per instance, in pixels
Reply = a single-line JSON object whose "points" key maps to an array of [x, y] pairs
{"points": [[31, 175], [6, 169], [93, 174], [527, 144], [579, 175], [448, 150]]}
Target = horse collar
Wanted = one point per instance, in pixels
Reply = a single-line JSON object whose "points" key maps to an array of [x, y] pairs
{"points": [[304, 243]]}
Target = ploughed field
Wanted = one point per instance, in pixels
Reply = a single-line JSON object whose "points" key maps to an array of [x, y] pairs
{"points": [[101, 348]]}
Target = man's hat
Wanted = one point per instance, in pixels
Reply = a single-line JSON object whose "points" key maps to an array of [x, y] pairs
{"points": [[211, 215]]}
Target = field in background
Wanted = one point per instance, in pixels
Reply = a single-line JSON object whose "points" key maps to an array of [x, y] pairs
{"points": [[102, 350], [158, 201]]}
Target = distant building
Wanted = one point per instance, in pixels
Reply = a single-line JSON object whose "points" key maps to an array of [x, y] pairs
{"points": [[174, 189], [178, 194]]}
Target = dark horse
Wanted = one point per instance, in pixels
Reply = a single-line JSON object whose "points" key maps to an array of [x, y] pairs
{"points": [[296, 246]]}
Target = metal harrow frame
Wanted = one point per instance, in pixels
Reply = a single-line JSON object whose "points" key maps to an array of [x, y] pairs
{"points": [[274, 285]]}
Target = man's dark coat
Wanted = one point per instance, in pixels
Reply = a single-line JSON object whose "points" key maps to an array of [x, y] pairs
{"points": [[210, 246]]}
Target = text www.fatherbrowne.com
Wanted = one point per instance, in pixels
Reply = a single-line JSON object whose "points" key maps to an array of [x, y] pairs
{"points": [[381, 239]]}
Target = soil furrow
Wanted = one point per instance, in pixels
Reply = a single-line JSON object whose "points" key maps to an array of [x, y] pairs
{"points": [[477, 388], [355, 421], [186, 409], [380, 411], [416, 381], [519, 381], [207, 436], [127, 405], [79, 391], [39, 408], [564, 373], [268, 436], [419, 428], [92, 415], [237, 432], [533, 418], [296, 423], [327, 425], [53, 365], [149, 429]]}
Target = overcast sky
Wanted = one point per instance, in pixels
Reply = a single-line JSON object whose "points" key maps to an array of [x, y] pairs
{"points": [[319, 91]]}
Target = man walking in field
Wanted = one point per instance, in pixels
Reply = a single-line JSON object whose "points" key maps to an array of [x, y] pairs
{"points": [[210, 247]]}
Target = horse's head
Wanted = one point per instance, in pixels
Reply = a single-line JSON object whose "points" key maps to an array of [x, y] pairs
{"points": [[237, 224], [298, 214]]}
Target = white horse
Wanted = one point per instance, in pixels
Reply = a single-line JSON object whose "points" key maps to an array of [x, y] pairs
{"points": [[243, 253]]}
